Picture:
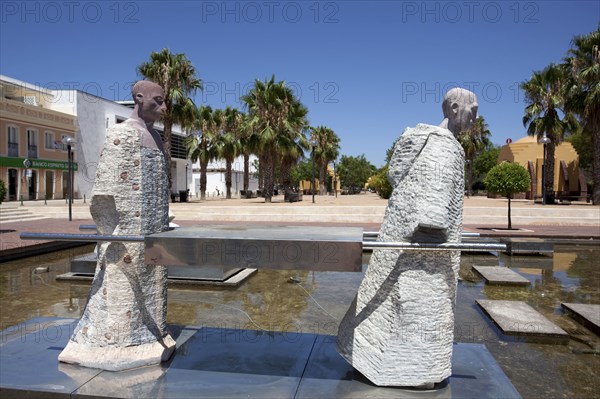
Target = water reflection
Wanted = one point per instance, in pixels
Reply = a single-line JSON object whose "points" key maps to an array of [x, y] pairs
{"points": [[315, 302]]}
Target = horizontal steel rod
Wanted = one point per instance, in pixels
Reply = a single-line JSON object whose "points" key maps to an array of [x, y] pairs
{"points": [[366, 234], [79, 237], [374, 234], [446, 246]]}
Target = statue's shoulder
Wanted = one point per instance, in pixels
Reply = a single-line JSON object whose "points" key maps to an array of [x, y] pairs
{"points": [[422, 132], [124, 132]]}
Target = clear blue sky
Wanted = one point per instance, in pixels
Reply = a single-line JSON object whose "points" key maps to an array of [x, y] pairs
{"points": [[365, 69]]}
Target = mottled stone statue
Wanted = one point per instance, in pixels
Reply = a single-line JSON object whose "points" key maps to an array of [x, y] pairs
{"points": [[399, 329], [124, 323]]}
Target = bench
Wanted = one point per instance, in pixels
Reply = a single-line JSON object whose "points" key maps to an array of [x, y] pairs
{"points": [[291, 196]]}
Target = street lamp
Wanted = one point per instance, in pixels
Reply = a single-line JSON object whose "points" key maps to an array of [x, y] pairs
{"points": [[334, 180], [186, 177], [69, 143], [313, 145], [544, 140]]}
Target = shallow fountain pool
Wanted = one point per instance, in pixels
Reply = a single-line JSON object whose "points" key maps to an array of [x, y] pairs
{"points": [[315, 302]]}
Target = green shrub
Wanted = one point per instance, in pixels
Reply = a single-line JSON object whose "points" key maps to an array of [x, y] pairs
{"points": [[380, 183], [507, 178], [2, 191]]}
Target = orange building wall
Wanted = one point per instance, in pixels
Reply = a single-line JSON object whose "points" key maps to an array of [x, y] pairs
{"points": [[528, 149]]}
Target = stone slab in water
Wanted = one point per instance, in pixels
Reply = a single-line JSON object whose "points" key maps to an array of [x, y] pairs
{"points": [[224, 363], [518, 318], [500, 275], [475, 374], [588, 315]]}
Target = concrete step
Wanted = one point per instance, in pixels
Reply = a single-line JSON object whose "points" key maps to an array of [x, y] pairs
{"points": [[17, 214], [519, 220], [11, 219]]}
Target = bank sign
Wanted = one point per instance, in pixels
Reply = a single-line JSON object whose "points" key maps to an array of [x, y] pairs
{"points": [[12, 162]]}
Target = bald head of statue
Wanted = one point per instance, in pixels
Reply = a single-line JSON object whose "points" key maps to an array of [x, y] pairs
{"points": [[149, 99], [460, 110]]}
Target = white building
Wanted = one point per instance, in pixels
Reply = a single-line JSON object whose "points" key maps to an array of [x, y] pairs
{"points": [[215, 178], [94, 116]]}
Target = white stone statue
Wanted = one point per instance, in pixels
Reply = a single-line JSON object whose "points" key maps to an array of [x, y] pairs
{"points": [[124, 323], [399, 329]]}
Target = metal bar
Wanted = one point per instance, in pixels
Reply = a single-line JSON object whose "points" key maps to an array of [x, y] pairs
{"points": [[87, 227], [446, 246], [371, 234], [79, 237]]}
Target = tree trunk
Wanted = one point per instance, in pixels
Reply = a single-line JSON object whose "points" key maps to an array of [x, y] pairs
{"points": [[322, 176], [203, 169], [596, 167], [262, 164], [509, 221], [246, 171], [549, 170], [228, 178], [168, 124], [268, 176], [470, 179], [286, 180]]}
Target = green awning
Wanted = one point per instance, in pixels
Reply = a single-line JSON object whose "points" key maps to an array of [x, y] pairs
{"points": [[14, 162]]}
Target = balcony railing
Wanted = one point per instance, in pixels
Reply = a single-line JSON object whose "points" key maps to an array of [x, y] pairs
{"points": [[13, 149], [32, 151]]}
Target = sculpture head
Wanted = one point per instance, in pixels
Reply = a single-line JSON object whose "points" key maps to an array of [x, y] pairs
{"points": [[460, 110], [149, 101]]}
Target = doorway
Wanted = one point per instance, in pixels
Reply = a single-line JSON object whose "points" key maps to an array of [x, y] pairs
{"points": [[32, 186], [13, 184], [65, 184], [49, 184]]}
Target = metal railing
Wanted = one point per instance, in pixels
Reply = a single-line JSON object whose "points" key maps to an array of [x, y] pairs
{"points": [[13, 149], [447, 246]]}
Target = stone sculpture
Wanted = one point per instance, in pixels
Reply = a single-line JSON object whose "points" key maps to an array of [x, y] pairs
{"points": [[124, 323], [399, 329]]}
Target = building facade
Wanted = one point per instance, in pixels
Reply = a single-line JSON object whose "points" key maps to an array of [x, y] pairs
{"points": [[215, 177], [94, 116], [33, 158], [568, 181]]}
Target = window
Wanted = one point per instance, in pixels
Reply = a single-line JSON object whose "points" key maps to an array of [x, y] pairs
{"points": [[49, 140], [13, 141], [32, 144], [62, 139]]}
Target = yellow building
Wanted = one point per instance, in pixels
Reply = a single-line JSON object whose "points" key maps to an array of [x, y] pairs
{"points": [[568, 181], [305, 185], [30, 132]]}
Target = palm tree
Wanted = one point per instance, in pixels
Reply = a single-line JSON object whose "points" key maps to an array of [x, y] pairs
{"points": [[249, 146], [201, 145], [178, 78], [583, 94], [544, 94], [327, 149], [228, 142], [274, 113], [473, 141]]}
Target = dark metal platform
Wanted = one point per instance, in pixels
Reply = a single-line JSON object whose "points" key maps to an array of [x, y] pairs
{"points": [[271, 247], [224, 363]]}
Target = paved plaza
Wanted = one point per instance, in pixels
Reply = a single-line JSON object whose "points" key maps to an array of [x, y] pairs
{"points": [[482, 215]]}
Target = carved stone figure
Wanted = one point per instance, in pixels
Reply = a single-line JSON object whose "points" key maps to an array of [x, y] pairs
{"points": [[124, 323], [399, 329]]}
